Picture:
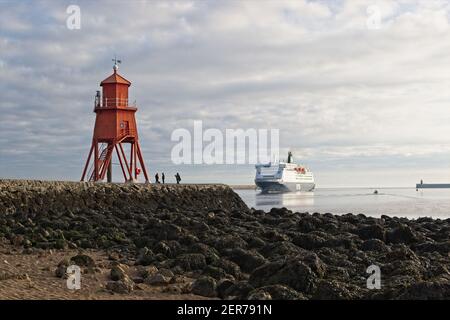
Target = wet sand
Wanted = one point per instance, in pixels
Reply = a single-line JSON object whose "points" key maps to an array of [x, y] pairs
{"points": [[32, 276]]}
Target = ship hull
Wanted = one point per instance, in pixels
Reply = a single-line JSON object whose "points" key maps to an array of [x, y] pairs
{"points": [[277, 186]]}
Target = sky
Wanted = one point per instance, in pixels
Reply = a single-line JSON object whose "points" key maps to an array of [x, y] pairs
{"points": [[360, 90]]}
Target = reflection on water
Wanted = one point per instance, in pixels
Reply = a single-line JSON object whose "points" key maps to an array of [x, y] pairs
{"points": [[403, 202], [288, 199]]}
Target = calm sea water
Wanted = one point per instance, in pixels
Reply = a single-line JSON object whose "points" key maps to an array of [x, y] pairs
{"points": [[400, 202]]}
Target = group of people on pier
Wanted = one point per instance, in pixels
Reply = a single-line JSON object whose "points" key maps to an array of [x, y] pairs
{"points": [[163, 178]]}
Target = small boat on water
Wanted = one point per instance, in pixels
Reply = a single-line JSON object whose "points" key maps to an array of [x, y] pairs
{"points": [[283, 177]]}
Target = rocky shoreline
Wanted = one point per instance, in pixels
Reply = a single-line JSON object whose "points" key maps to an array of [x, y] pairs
{"points": [[203, 240]]}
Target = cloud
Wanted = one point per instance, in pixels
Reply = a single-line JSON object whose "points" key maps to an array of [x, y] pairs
{"points": [[341, 94]]}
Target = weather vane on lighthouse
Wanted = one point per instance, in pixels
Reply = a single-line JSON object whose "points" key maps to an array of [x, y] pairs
{"points": [[116, 63]]}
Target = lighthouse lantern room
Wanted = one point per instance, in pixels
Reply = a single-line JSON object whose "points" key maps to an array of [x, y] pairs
{"points": [[115, 125]]}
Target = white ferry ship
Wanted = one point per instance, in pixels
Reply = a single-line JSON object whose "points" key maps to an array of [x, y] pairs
{"points": [[283, 177]]}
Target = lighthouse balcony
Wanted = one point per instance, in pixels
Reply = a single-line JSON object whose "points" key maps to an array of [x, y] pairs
{"points": [[113, 102]]}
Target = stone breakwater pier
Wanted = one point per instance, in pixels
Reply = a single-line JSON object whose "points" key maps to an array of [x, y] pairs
{"points": [[203, 240], [38, 197]]}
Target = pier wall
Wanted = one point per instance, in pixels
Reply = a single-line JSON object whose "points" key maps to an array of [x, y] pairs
{"points": [[433, 186]]}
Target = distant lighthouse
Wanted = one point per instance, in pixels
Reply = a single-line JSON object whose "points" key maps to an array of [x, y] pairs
{"points": [[115, 125]]}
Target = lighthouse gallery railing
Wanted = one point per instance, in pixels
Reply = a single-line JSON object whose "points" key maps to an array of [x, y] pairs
{"points": [[112, 102]]}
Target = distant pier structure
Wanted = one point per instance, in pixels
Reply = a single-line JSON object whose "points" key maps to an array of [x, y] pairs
{"points": [[115, 127], [422, 185]]}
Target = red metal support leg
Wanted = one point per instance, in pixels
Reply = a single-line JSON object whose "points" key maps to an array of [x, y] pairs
{"points": [[126, 162], [87, 162], [132, 159], [141, 160], [95, 160], [135, 161], [121, 163]]}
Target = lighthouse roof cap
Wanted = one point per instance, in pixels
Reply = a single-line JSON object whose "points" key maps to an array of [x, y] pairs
{"points": [[115, 78]]}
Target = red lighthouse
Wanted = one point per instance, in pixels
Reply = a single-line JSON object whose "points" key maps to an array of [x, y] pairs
{"points": [[115, 125]]}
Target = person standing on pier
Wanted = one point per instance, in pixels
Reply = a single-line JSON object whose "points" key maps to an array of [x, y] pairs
{"points": [[157, 177], [178, 178], [163, 178]]}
